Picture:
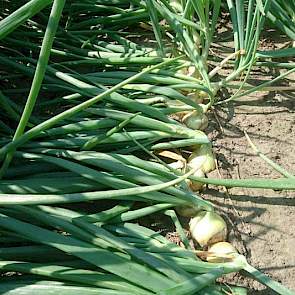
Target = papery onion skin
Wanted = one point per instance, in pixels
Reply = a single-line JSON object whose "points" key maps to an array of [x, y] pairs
{"points": [[221, 252]]}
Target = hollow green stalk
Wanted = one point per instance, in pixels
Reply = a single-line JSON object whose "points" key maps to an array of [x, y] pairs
{"points": [[47, 42]]}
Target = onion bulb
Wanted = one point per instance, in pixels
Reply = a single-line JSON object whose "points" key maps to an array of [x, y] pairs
{"points": [[196, 185], [208, 228], [221, 252], [195, 120], [203, 158]]}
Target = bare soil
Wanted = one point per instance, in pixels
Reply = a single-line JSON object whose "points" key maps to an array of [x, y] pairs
{"points": [[262, 221]]}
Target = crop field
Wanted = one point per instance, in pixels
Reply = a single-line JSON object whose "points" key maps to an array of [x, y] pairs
{"points": [[147, 147]]}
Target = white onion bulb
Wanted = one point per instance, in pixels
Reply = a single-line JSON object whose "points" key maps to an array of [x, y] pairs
{"points": [[203, 158], [208, 228]]}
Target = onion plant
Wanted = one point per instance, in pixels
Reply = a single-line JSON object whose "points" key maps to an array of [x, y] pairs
{"points": [[91, 93]]}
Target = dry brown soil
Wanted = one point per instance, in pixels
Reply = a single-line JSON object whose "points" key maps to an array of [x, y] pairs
{"points": [[262, 221]]}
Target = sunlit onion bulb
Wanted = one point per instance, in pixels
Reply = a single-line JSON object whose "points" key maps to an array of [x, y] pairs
{"points": [[208, 228], [203, 158]]}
